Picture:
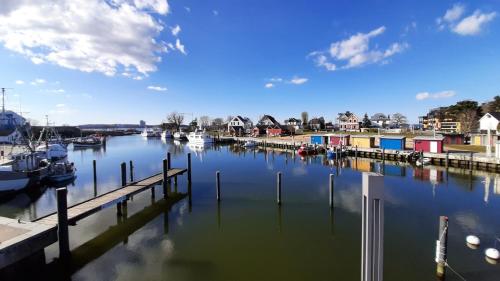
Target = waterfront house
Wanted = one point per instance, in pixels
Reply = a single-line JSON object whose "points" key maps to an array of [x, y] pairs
{"points": [[317, 124], [269, 126], [490, 122], [380, 120], [348, 121], [432, 144], [393, 142], [339, 139], [239, 126], [362, 141], [294, 125], [453, 138]]}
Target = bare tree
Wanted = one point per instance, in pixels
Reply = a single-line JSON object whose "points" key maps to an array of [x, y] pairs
{"points": [[176, 119], [468, 120], [204, 121], [305, 117], [399, 119]]}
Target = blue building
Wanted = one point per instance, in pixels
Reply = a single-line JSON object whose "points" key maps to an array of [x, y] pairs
{"points": [[393, 142], [319, 139]]}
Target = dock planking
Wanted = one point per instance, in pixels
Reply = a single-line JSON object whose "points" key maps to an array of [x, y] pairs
{"points": [[19, 240]]}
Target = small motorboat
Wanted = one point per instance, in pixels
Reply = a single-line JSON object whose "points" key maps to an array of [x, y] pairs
{"points": [[199, 137], [331, 153], [151, 133], [166, 135], [307, 150], [250, 143], [423, 161], [61, 171], [90, 141]]}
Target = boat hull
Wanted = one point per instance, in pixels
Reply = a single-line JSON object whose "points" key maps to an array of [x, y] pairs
{"points": [[13, 181]]}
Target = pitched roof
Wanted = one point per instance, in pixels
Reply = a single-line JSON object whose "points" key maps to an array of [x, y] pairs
{"points": [[270, 118]]}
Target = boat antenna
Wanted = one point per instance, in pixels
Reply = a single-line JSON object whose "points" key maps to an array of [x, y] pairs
{"points": [[3, 99]]}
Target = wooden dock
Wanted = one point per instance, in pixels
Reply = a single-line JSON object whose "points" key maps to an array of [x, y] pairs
{"points": [[19, 239]]}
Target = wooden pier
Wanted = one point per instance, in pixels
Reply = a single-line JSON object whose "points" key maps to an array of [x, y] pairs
{"points": [[20, 239]]}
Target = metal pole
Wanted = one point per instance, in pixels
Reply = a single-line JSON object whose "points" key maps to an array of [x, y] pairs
{"points": [[441, 246], [217, 184], [62, 223], [331, 191], [278, 188]]}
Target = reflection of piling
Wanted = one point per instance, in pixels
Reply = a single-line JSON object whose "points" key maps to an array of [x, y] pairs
{"points": [[94, 167], [278, 188], [218, 216], [447, 159], [62, 223], [441, 247], [331, 191], [217, 184], [372, 246]]}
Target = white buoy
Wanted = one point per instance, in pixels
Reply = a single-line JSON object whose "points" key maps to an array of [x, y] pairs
{"points": [[492, 253], [473, 240]]}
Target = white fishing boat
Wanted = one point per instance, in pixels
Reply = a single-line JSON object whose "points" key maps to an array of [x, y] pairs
{"points": [[180, 136], [21, 170], [166, 134], [423, 161], [250, 143], [199, 137], [61, 171], [53, 151]]}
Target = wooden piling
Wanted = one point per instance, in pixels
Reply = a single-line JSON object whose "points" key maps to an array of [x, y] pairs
{"points": [[278, 188], [471, 160], [441, 246], [131, 164], [331, 191], [189, 167], [447, 159], [121, 204], [169, 162], [165, 178], [94, 167], [217, 184], [62, 223]]}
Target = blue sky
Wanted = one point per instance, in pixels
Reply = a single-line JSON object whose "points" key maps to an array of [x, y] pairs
{"points": [[83, 63]]}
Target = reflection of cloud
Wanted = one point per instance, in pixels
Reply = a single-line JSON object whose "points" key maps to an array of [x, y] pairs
{"points": [[299, 171], [349, 199], [469, 222]]}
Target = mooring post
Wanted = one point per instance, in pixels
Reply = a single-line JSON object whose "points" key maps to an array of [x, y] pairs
{"points": [[383, 154], [189, 167], [169, 161], [441, 246], [165, 178], [122, 204], [447, 159], [217, 184], [131, 171], [94, 167], [62, 223], [372, 241], [278, 188], [331, 191], [470, 161]]}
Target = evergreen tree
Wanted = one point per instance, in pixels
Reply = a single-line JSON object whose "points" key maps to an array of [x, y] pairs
{"points": [[366, 122]]}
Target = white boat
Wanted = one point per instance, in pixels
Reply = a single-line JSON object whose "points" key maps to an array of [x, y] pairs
{"points": [[21, 170], [166, 135], [61, 171], [423, 161], [151, 133], [180, 136], [199, 137], [250, 143], [53, 151]]}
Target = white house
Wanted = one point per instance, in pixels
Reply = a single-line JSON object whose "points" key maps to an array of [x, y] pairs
{"points": [[348, 121], [489, 121], [240, 125]]}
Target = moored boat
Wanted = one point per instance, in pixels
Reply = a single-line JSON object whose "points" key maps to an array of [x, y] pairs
{"points": [[250, 143], [166, 135], [90, 141], [180, 136], [21, 170], [423, 161], [199, 137], [151, 133], [307, 150], [61, 171]]}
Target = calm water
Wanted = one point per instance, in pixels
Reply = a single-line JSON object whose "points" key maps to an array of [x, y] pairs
{"points": [[247, 237]]}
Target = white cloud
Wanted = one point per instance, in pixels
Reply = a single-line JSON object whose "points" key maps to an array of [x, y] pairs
{"points": [[215, 12], [59, 105], [355, 52], [175, 30], [276, 79], [179, 46], [298, 80], [38, 81], [19, 82], [157, 88], [470, 25], [187, 9], [269, 85], [87, 35], [473, 24], [437, 95]]}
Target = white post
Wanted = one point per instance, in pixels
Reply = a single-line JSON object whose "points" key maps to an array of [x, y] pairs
{"points": [[372, 243], [488, 143]]}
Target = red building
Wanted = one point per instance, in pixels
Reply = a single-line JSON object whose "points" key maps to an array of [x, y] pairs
{"points": [[340, 139], [454, 138], [428, 144]]}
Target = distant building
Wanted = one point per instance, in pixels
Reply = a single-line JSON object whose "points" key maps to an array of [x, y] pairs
{"points": [[142, 123], [317, 123], [269, 126], [348, 121], [380, 120], [489, 121], [239, 126], [294, 125], [438, 120], [428, 144]]}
